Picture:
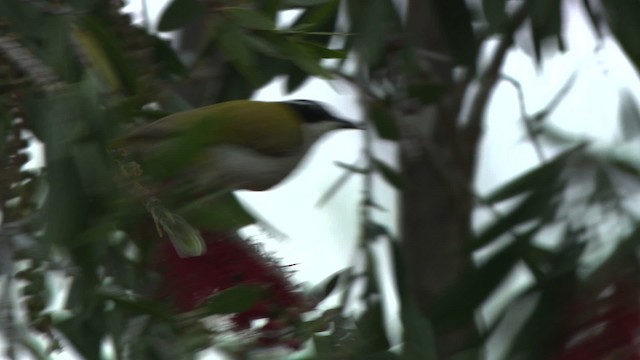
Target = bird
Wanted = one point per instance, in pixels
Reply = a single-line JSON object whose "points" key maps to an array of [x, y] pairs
{"points": [[233, 145]]}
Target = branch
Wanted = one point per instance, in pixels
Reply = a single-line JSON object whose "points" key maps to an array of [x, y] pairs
{"points": [[492, 74]]}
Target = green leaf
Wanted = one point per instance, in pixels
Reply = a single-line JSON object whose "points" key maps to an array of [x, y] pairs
{"points": [[459, 304], [495, 13], [323, 345], [322, 52], [383, 121], [390, 175], [629, 116], [234, 45], [168, 56], [339, 183], [371, 329], [179, 13], [532, 179], [540, 205], [233, 300], [455, 20], [372, 24], [595, 18], [318, 18], [295, 79], [418, 334], [622, 18], [546, 22], [106, 54], [327, 286], [250, 19], [223, 212], [538, 335], [382, 355], [305, 3], [428, 93], [136, 303]]}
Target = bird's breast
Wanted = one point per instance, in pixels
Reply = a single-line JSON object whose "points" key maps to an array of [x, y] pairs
{"points": [[240, 168]]}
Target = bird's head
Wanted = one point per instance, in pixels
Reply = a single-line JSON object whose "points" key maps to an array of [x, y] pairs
{"points": [[317, 119]]}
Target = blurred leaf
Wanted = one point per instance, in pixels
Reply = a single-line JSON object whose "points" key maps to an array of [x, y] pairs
{"points": [[111, 48], [371, 329], [544, 174], [306, 3], [250, 18], [458, 32], [540, 205], [327, 286], [383, 121], [383, 355], [537, 336], [97, 57], [427, 93], [352, 168], [322, 52], [179, 13], [622, 20], [295, 79], [135, 303], [460, 303], [223, 212], [318, 18], [233, 300], [372, 25], [594, 17], [546, 22], [373, 230], [58, 52], [168, 56], [84, 336], [495, 13], [629, 115], [418, 334], [234, 45], [337, 185], [391, 176], [323, 345]]}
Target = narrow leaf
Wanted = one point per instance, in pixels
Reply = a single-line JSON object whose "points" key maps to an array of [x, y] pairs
{"points": [[495, 13], [531, 179], [326, 287], [233, 300], [383, 121], [390, 175], [456, 22], [251, 19], [179, 13]]}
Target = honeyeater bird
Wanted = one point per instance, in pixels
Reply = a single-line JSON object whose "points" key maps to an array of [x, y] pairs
{"points": [[240, 144]]}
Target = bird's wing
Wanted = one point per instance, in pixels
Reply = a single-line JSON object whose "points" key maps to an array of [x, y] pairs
{"points": [[267, 127]]}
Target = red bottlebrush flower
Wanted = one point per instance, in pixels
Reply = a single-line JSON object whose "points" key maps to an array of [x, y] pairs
{"points": [[228, 262], [612, 332]]}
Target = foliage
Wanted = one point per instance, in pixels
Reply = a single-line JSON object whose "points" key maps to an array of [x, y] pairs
{"points": [[77, 72]]}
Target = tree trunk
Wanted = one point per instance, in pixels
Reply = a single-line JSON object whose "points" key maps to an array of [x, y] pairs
{"points": [[435, 209]]}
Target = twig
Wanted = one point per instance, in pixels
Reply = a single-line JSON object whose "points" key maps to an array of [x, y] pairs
{"points": [[492, 74], [524, 116]]}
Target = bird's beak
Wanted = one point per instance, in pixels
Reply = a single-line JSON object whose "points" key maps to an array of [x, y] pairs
{"points": [[348, 124]]}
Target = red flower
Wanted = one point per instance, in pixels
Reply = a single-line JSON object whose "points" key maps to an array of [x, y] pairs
{"points": [[228, 262]]}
